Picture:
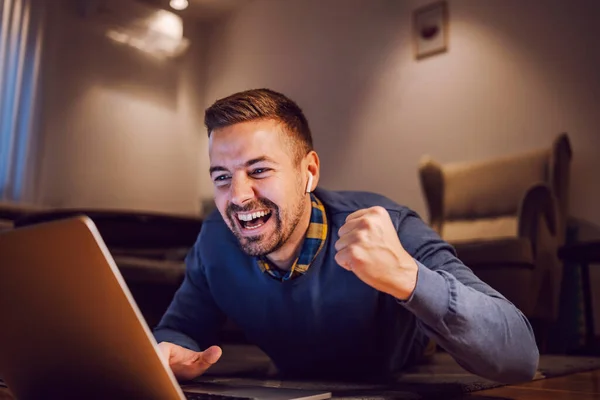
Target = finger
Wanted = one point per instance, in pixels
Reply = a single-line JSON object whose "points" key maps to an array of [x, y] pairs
{"points": [[354, 224], [212, 354], [353, 237], [358, 214], [207, 359], [351, 258], [187, 364], [343, 259]]}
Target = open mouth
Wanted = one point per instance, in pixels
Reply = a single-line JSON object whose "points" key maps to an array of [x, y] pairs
{"points": [[253, 220]]}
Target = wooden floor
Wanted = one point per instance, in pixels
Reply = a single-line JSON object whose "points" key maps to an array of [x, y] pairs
{"points": [[582, 386]]}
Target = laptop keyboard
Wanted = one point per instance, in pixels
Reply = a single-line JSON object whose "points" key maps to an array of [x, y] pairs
{"points": [[213, 396]]}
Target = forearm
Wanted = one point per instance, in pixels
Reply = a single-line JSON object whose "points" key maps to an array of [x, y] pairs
{"points": [[193, 319], [484, 333]]}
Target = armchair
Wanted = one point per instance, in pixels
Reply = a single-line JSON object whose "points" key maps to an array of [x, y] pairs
{"points": [[506, 218]]}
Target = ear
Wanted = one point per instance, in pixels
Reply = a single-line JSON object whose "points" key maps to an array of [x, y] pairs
{"points": [[312, 168], [309, 183]]}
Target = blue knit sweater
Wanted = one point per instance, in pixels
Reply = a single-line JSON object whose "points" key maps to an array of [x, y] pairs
{"points": [[328, 323]]}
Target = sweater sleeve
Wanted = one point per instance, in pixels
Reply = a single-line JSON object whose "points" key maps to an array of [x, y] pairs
{"points": [[485, 333], [193, 319]]}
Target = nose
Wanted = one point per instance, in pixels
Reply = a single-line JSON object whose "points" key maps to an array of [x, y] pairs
{"points": [[241, 190]]}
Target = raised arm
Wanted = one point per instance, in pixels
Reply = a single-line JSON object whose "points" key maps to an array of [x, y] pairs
{"points": [[480, 328], [484, 332]]}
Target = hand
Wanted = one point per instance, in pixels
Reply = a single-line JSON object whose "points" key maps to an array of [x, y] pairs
{"points": [[369, 246], [187, 364]]}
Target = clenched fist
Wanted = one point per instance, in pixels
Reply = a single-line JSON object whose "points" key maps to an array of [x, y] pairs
{"points": [[369, 247], [187, 364]]}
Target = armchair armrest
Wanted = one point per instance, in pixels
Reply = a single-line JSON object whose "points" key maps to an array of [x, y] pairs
{"points": [[432, 184], [537, 202]]}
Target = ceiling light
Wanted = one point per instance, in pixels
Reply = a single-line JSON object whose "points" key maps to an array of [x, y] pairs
{"points": [[179, 4]]}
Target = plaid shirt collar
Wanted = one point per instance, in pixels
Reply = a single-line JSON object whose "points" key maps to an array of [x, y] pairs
{"points": [[313, 243]]}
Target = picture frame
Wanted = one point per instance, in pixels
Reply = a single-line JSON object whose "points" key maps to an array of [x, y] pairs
{"points": [[430, 29]]}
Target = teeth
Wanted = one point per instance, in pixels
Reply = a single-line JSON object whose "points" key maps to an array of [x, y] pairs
{"points": [[255, 227], [251, 216]]}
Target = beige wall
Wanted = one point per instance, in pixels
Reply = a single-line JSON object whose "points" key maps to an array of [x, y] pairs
{"points": [[120, 129], [517, 73]]}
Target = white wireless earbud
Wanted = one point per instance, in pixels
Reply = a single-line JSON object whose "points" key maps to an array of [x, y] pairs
{"points": [[309, 184]]}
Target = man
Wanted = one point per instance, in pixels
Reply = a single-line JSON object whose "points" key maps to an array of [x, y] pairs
{"points": [[328, 284]]}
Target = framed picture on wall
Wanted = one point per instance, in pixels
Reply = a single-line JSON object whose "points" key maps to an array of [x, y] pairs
{"points": [[430, 30]]}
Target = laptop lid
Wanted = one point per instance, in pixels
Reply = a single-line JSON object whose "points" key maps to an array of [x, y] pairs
{"points": [[70, 327]]}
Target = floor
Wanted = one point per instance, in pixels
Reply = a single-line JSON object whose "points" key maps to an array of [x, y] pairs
{"points": [[582, 386]]}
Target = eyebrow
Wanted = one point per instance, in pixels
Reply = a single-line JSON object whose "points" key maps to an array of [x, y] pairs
{"points": [[248, 163]]}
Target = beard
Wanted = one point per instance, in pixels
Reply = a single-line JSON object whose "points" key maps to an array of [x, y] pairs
{"points": [[285, 223]]}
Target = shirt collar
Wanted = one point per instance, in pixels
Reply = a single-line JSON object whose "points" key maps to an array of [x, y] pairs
{"points": [[312, 245]]}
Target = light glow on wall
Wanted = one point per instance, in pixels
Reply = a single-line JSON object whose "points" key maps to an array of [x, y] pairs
{"points": [[160, 34], [179, 4]]}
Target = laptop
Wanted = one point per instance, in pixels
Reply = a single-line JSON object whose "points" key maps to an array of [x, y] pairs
{"points": [[70, 327]]}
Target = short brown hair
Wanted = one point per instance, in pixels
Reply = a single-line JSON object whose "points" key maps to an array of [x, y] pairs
{"points": [[256, 104]]}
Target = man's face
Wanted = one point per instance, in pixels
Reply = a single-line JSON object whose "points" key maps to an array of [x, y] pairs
{"points": [[259, 188]]}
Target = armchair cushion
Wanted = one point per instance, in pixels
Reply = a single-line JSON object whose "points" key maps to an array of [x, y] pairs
{"points": [[478, 229], [508, 252]]}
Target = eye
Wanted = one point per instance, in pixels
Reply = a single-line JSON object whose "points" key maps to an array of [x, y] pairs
{"points": [[221, 178], [259, 171]]}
